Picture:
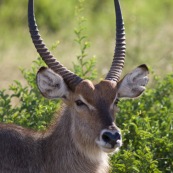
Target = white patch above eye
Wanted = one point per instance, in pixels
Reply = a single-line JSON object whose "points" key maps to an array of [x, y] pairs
{"points": [[113, 103], [50, 84], [88, 104]]}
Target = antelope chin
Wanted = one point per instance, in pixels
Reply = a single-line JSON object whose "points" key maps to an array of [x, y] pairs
{"points": [[107, 148]]}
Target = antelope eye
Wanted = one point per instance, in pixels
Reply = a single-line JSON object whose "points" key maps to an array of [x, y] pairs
{"points": [[79, 103]]}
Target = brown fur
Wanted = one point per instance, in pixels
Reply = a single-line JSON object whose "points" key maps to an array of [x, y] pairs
{"points": [[25, 151]]}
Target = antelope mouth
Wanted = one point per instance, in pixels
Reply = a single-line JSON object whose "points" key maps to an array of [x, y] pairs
{"points": [[108, 148]]}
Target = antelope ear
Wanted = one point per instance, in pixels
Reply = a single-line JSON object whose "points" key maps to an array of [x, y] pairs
{"points": [[133, 84], [50, 84]]}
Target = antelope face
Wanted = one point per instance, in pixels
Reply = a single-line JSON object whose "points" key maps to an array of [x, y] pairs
{"points": [[93, 106], [96, 106]]}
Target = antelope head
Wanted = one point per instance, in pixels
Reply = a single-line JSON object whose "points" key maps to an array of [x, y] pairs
{"points": [[92, 107]]}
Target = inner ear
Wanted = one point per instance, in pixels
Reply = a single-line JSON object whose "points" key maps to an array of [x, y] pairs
{"points": [[133, 84], [51, 84]]}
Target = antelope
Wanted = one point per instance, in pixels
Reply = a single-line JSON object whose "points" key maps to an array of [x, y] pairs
{"points": [[85, 132]]}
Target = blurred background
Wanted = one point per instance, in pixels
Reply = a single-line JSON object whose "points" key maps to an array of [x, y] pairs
{"points": [[149, 33]]}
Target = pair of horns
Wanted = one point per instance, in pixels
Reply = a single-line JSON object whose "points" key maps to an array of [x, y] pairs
{"points": [[71, 79]]}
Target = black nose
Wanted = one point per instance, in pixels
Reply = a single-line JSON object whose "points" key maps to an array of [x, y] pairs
{"points": [[111, 138]]}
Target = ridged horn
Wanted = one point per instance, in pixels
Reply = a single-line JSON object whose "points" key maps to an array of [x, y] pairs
{"points": [[120, 47], [71, 79]]}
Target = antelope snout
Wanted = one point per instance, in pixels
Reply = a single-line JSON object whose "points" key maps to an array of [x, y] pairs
{"points": [[111, 138]]}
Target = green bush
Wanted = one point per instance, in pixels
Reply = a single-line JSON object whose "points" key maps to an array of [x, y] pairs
{"points": [[146, 123], [31, 109], [147, 127]]}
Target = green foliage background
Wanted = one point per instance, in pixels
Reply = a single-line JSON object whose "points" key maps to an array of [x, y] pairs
{"points": [[146, 123], [148, 27]]}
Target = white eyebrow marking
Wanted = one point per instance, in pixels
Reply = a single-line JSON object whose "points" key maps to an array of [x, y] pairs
{"points": [[112, 105], [88, 104]]}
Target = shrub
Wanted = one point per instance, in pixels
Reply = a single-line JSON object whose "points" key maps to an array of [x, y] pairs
{"points": [[146, 123], [147, 127], [31, 110]]}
